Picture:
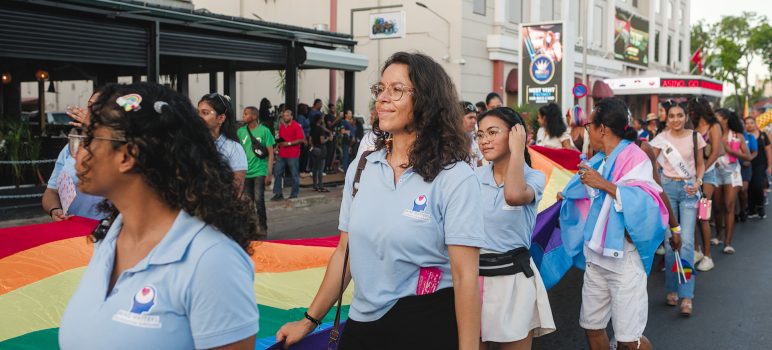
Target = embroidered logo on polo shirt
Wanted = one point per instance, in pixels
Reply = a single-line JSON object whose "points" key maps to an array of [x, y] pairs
{"points": [[418, 211], [142, 303]]}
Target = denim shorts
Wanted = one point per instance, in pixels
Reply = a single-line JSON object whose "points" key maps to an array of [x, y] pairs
{"points": [[710, 177], [746, 172], [724, 175]]}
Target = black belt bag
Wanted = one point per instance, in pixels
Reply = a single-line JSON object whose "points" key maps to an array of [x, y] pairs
{"points": [[504, 264]]}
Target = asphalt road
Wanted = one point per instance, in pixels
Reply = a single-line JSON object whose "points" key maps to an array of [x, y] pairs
{"points": [[732, 304]]}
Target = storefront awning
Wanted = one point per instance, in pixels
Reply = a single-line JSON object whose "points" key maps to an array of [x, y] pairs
{"points": [[601, 90], [334, 59]]}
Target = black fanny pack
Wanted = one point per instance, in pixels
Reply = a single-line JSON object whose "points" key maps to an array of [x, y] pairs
{"points": [[504, 264]]}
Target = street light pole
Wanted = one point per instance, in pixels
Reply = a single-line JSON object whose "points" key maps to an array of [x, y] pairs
{"points": [[584, 57], [447, 57]]}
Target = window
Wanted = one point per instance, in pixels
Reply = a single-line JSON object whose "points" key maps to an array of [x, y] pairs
{"points": [[515, 11], [576, 12], [680, 53], [479, 7], [656, 46], [680, 16], [657, 4], [669, 10], [635, 3], [597, 30], [669, 41]]}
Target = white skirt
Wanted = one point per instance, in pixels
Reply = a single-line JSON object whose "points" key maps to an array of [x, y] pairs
{"points": [[514, 305]]}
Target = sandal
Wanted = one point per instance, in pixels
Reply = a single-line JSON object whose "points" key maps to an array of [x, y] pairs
{"points": [[715, 241], [728, 250], [671, 299], [686, 307]]}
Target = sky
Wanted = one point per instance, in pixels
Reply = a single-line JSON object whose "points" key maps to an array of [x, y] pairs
{"points": [[712, 11]]}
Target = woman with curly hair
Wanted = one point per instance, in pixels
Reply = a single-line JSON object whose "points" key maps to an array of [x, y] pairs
{"points": [[156, 278], [410, 222], [553, 132], [217, 113]]}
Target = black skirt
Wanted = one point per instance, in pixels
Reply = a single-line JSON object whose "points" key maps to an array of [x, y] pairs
{"points": [[415, 322]]}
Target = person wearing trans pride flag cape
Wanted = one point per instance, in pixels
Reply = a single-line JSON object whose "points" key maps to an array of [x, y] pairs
{"points": [[612, 221]]}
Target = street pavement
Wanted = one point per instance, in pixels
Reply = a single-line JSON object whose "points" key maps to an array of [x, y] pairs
{"points": [[732, 304]]}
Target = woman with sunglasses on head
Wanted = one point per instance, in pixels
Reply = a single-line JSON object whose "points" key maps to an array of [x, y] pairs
{"points": [[156, 278], [61, 198], [681, 174], [470, 123], [728, 173], [217, 113], [414, 239], [614, 218], [705, 123], [515, 306]]}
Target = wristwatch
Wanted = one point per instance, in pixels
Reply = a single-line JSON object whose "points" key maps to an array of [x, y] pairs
{"points": [[699, 182]]}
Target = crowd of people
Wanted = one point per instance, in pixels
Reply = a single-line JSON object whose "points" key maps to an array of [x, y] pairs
{"points": [[436, 217]]}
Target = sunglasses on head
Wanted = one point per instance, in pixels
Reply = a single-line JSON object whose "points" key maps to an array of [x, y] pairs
{"points": [[218, 96]]}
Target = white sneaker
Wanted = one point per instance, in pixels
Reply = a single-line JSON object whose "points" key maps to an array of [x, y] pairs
{"points": [[661, 250], [698, 255], [706, 264]]}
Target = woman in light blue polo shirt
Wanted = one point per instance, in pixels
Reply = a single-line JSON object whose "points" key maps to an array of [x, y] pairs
{"points": [[515, 306], [414, 226], [170, 268], [217, 113]]}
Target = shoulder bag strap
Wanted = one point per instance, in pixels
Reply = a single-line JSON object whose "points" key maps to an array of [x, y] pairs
{"points": [[332, 344]]}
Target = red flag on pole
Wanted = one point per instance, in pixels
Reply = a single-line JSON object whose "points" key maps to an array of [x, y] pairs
{"points": [[697, 59]]}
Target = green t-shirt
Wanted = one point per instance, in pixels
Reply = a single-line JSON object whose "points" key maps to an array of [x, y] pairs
{"points": [[255, 166]]}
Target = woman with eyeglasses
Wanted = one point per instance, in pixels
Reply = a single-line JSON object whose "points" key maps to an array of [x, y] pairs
{"points": [[553, 132], [728, 174], [515, 306], [217, 113], [470, 125], [414, 238], [61, 198], [681, 173], [156, 279], [614, 218]]}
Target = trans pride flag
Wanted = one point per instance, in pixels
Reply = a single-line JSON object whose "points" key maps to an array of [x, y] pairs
{"points": [[41, 266]]}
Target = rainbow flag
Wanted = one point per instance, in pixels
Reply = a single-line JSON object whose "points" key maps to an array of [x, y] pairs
{"points": [[41, 266]]}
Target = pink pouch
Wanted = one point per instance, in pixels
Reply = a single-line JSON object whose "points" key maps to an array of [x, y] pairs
{"points": [[704, 209], [428, 280]]}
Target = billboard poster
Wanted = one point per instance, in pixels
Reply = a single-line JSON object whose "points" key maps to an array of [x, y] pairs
{"points": [[387, 25], [542, 62], [631, 38]]}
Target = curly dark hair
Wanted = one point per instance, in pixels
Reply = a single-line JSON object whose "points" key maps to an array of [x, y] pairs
{"points": [[553, 120], [177, 158], [698, 108], [733, 120], [437, 117], [222, 105], [512, 118]]}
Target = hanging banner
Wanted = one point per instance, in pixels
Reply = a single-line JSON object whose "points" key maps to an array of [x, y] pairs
{"points": [[631, 38], [387, 25], [542, 58]]}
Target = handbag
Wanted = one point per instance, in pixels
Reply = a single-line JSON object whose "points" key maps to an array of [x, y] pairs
{"points": [[332, 343], [258, 148], [704, 205]]}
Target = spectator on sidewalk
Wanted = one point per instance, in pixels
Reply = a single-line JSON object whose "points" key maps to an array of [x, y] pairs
{"points": [[62, 185], [759, 168], [290, 138], [218, 114], [320, 137], [493, 100], [316, 112], [553, 132], [258, 144], [348, 135], [368, 140], [266, 117], [305, 123]]}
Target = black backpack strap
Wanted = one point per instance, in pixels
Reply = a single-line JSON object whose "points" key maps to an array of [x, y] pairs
{"points": [[332, 343]]}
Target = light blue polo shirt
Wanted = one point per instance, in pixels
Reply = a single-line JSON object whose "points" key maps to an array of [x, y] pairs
{"points": [[233, 153], [394, 230], [193, 290], [84, 205], [508, 227]]}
